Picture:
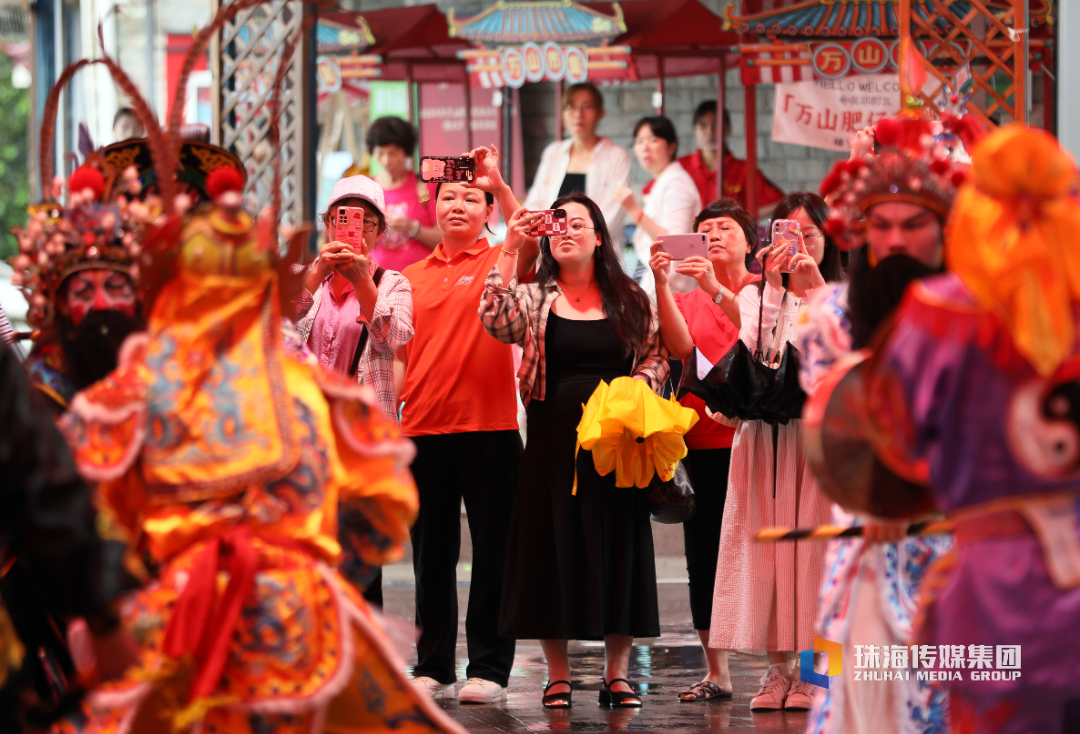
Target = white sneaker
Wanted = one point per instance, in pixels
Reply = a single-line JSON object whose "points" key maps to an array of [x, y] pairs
{"points": [[774, 688], [479, 690], [800, 697], [432, 687]]}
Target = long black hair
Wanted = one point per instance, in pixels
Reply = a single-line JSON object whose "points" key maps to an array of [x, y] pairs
{"points": [[625, 303], [834, 261]]}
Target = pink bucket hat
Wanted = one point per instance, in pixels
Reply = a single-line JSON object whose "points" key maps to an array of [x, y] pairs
{"points": [[358, 187]]}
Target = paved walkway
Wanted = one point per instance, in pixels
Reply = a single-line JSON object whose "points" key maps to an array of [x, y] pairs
{"points": [[660, 668]]}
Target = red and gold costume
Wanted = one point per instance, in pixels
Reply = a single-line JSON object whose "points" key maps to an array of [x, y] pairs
{"points": [[229, 463]]}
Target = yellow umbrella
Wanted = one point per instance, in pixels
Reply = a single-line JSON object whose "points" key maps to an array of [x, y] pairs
{"points": [[633, 431]]}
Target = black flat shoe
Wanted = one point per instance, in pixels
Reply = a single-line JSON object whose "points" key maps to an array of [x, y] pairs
{"points": [[619, 699], [558, 700]]}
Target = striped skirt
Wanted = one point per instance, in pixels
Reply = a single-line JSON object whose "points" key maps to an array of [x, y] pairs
{"points": [[766, 594]]}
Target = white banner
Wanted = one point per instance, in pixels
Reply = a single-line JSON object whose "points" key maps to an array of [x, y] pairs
{"points": [[827, 113]]}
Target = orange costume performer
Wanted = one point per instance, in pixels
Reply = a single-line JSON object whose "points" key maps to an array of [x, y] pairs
{"points": [[229, 463]]}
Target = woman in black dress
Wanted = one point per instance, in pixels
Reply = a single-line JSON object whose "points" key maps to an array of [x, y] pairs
{"points": [[578, 567]]}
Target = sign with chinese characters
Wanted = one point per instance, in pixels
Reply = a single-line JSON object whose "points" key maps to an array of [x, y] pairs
{"points": [[828, 112], [937, 662], [512, 66]]}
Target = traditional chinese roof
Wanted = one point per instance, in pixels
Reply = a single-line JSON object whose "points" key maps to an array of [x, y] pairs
{"points": [[857, 18], [521, 22], [342, 32]]}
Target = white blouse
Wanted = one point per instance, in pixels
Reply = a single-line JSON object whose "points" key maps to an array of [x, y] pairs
{"points": [[609, 168], [673, 202]]}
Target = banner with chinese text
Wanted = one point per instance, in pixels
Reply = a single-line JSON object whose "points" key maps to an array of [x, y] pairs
{"points": [[827, 113]]}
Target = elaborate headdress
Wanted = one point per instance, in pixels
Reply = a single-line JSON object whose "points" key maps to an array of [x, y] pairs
{"points": [[84, 235], [90, 232], [1014, 239], [197, 161], [913, 164]]}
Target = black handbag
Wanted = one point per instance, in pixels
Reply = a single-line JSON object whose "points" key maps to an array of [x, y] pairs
{"points": [[671, 502], [742, 385]]}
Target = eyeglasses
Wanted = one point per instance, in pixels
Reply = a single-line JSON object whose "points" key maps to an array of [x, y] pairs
{"points": [[577, 229], [579, 108]]}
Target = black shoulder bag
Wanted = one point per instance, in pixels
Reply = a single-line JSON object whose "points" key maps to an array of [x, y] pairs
{"points": [[376, 277]]}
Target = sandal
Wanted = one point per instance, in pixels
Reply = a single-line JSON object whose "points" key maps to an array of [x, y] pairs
{"points": [[703, 691], [557, 700], [619, 699]]}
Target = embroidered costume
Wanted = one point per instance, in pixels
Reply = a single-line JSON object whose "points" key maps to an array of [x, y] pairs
{"points": [[232, 465]]}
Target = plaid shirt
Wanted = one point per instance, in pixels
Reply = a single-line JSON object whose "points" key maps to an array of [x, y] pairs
{"points": [[391, 327], [518, 314]]}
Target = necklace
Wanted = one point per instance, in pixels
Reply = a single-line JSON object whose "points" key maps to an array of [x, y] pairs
{"points": [[577, 299]]}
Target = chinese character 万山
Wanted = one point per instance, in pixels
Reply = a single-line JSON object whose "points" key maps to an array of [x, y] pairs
{"points": [[1008, 657], [980, 656], [867, 656], [828, 122]]}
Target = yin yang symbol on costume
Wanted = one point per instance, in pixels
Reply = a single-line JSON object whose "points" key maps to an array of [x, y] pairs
{"points": [[1044, 427]]}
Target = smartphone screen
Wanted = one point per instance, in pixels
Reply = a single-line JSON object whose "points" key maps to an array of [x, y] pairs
{"points": [[350, 225], [786, 231], [553, 223], [682, 246], [447, 169]]}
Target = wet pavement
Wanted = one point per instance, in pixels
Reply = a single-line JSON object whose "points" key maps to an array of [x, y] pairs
{"points": [[659, 668]]}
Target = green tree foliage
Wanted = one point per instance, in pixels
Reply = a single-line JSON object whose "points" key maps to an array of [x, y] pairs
{"points": [[14, 158]]}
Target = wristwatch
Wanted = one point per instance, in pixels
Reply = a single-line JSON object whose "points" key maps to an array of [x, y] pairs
{"points": [[719, 296]]}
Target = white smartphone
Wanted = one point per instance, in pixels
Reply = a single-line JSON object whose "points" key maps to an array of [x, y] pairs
{"points": [[682, 246]]}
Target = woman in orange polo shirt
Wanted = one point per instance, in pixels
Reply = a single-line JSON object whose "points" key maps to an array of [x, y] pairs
{"points": [[461, 412]]}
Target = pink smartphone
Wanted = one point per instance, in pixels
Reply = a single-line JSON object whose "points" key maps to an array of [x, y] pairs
{"points": [[786, 231], [350, 225], [553, 223], [682, 246], [447, 169]]}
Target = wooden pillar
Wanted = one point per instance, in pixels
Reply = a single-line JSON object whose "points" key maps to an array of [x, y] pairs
{"points": [[750, 185], [468, 113], [1021, 49], [721, 92]]}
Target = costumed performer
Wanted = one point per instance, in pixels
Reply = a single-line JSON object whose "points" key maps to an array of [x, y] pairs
{"points": [[978, 386], [892, 207], [230, 463]]}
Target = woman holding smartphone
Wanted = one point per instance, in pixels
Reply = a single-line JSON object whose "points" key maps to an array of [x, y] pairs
{"points": [[461, 412], [580, 566], [765, 596], [707, 318], [353, 315]]}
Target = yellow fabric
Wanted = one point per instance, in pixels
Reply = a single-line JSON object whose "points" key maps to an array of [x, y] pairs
{"points": [[1014, 239], [634, 432], [219, 418]]}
